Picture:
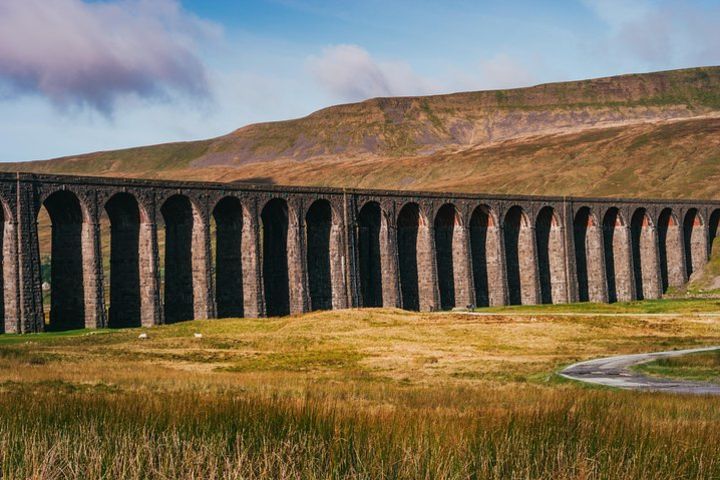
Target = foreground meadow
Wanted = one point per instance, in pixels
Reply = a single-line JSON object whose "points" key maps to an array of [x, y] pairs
{"points": [[353, 394]]}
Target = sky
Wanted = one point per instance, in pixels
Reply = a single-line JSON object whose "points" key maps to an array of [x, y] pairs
{"points": [[80, 75]]}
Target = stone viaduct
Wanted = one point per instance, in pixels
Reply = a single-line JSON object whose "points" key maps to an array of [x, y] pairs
{"points": [[182, 250]]}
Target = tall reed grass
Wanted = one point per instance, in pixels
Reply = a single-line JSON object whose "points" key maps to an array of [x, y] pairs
{"points": [[524, 433]]}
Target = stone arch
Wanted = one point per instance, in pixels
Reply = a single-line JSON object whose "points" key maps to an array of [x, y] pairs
{"points": [[644, 255], [713, 224], [369, 221], [617, 256], [228, 216], [67, 282], [670, 253], [179, 216], [448, 242], [588, 256], [123, 212], [318, 226], [520, 262], [485, 257], [551, 256], [408, 224], [274, 219], [695, 249]]}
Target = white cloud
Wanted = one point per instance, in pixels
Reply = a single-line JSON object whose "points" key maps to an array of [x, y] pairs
{"points": [[79, 54], [349, 73]]}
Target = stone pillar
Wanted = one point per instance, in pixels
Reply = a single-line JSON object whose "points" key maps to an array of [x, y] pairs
{"points": [[496, 267], [203, 298], [594, 249], [527, 259], [338, 265], [624, 276], [151, 312], [652, 284], [676, 274], [698, 247], [95, 313], [253, 298], [558, 264], [462, 269], [11, 301], [428, 293], [32, 317], [389, 263], [297, 271]]}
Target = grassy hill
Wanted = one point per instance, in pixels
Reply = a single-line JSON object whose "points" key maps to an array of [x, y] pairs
{"points": [[633, 135]]}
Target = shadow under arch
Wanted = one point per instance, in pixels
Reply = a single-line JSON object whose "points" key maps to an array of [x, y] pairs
{"points": [[617, 256], [669, 251], [67, 284], [318, 224], [123, 212], [518, 241], [408, 225], [369, 224], [274, 220], [178, 214], [228, 216], [588, 259], [447, 219], [484, 254], [695, 251]]}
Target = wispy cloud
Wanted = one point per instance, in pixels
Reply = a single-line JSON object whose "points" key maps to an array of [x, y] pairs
{"points": [[350, 73], [79, 54], [660, 32], [502, 71]]}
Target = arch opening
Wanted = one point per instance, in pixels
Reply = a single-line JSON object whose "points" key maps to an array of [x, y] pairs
{"points": [[615, 248], [713, 224], [643, 253], [369, 224], [446, 220], [67, 301], [694, 247], [124, 215], [228, 216], [483, 253], [408, 225], [274, 233], [551, 267], [177, 213], [588, 260], [518, 250], [318, 223], [669, 250]]}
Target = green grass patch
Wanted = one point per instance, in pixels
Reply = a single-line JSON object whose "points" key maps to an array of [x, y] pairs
{"points": [[701, 366], [665, 305]]}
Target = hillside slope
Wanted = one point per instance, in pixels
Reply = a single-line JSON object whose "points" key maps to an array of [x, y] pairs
{"points": [[647, 134]]}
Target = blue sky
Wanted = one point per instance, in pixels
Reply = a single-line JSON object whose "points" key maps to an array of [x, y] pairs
{"points": [[79, 76]]}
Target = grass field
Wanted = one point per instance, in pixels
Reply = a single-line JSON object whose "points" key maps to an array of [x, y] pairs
{"points": [[352, 394], [702, 366]]}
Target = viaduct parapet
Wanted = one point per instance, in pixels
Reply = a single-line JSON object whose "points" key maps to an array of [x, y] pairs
{"points": [[183, 250]]}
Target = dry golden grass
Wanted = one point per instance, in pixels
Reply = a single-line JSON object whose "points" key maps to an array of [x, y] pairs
{"points": [[350, 394]]}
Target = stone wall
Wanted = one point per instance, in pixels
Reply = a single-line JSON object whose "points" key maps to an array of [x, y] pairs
{"points": [[248, 250]]}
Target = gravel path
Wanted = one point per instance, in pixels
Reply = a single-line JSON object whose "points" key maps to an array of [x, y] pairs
{"points": [[617, 372]]}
